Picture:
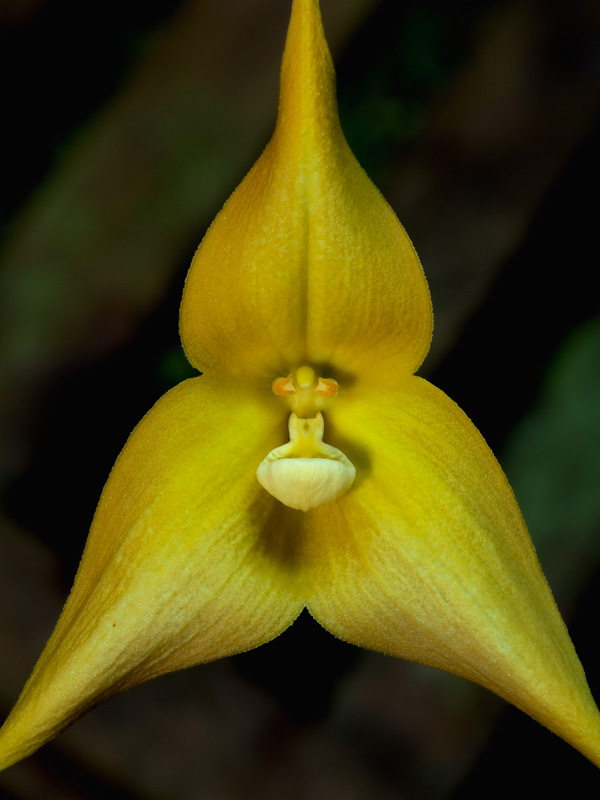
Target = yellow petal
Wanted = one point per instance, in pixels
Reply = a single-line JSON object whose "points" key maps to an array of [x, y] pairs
{"points": [[428, 558], [306, 263], [176, 571]]}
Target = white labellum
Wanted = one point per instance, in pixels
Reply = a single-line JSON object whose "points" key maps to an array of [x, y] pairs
{"points": [[306, 472]]}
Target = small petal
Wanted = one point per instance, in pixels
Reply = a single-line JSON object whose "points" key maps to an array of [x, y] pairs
{"points": [[428, 558], [176, 570], [306, 263]]}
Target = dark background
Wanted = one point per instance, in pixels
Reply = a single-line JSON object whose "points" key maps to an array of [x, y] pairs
{"points": [[126, 126]]}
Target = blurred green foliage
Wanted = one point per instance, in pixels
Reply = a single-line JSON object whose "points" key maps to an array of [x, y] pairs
{"points": [[384, 103], [173, 367], [553, 455]]}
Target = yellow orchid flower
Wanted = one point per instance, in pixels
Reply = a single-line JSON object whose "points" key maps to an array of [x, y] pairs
{"points": [[385, 514]]}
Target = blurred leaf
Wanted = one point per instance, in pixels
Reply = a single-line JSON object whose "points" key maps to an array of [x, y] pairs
{"points": [[553, 459]]}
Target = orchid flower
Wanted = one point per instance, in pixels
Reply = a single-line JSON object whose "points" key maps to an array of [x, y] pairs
{"points": [[308, 466]]}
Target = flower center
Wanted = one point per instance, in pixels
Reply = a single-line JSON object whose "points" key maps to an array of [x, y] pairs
{"points": [[306, 472]]}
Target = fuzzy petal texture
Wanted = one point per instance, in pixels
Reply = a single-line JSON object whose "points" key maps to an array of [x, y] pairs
{"points": [[306, 263], [430, 560], [177, 569]]}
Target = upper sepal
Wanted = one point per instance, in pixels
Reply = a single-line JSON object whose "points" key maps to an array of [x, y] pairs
{"points": [[306, 263]]}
